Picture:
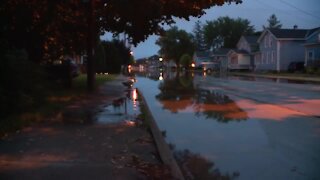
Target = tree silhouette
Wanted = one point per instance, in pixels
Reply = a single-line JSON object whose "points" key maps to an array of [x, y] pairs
{"points": [[273, 22], [175, 43], [198, 37], [226, 31]]}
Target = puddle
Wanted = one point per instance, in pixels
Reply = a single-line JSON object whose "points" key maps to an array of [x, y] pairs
{"points": [[121, 110]]}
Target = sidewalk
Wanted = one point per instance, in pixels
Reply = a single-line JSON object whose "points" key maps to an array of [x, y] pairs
{"points": [[74, 147]]}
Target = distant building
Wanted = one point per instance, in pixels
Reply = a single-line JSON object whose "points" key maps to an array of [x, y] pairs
{"points": [[238, 60], [242, 58], [220, 56]]}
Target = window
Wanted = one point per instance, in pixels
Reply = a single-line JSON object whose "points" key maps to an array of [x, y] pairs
{"points": [[262, 58], [270, 41], [258, 58], [310, 55], [268, 60]]}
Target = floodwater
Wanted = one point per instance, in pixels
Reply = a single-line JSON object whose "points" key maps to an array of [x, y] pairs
{"points": [[123, 109], [216, 135]]}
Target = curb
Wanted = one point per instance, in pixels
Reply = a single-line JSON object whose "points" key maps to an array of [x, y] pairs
{"points": [[163, 148]]}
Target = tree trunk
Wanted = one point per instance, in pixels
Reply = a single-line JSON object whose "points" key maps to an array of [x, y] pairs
{"points": [[90, 50]]}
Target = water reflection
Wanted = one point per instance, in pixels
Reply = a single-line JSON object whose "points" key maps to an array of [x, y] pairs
{"points": [[216, 105], [121, 109], [178, 94], [195, 166]]}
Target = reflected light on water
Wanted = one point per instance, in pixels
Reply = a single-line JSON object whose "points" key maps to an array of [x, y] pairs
{"points": [[130, 123], [161, 77], [204, 74], [134, 98], [267, 111]]}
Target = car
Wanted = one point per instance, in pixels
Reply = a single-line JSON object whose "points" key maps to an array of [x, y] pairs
{"points": [[210, 67], [62, 69], [297, 66]]}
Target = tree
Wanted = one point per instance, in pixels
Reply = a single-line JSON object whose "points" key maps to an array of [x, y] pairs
{"points": [[199, 37], [47, 29], [273, 22], [226, 31], [116, 55], [186, 60], [175, 43]]}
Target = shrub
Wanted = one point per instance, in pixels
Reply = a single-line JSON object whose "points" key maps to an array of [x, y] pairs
{"points": [[22, 83], [185, 60]]}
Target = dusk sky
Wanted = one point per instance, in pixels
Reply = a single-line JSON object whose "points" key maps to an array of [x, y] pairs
{"points": [[304, 13]]}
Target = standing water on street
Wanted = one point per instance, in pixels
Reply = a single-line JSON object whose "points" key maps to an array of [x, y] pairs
{"points": [[217, 132]]}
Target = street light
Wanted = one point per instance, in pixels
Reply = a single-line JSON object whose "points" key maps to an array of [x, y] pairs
{"points": [[160, 59]]}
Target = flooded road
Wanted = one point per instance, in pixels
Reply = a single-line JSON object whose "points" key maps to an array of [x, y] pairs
{"points": [[219, 128]]}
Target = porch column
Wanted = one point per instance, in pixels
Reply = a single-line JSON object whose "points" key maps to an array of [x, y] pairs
{"points": [[278, 55]]}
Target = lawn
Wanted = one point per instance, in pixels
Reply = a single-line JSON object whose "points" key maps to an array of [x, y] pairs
{"points": [[55, 101]]}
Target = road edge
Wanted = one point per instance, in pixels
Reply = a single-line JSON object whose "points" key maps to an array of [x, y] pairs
{"points": [[163, 148]]}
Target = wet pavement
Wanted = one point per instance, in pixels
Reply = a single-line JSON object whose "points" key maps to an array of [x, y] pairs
{"points": [[110, 144], [272, 79], [226, 128], [304, 98]]}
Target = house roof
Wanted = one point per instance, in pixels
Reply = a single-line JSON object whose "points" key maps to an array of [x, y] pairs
{"points": [[202, 53], [311, 31], [238, 51], [289, 33], [221, 51], [251, 39]]}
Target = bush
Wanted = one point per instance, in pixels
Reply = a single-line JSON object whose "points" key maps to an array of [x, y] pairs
{"points": [[185, 60], [22, 83]]}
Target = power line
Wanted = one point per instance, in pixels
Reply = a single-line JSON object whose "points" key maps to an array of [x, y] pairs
{"points": [[301, 10]]}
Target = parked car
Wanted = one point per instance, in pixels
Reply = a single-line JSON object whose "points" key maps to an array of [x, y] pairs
{"points": [[297, 66], [62, 69], [210, 67]]}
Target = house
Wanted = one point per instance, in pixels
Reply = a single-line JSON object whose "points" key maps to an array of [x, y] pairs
{"points": [[242, 58], [153, 62], [280, 47], [238, 60], [220, 56], [312, 48]]}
